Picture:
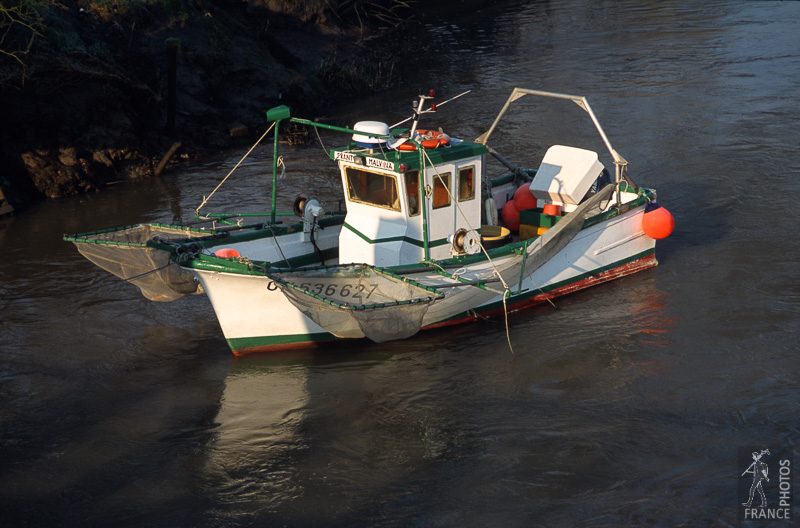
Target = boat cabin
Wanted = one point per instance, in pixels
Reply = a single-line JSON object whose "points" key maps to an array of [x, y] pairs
{"points": [[408, 204]]}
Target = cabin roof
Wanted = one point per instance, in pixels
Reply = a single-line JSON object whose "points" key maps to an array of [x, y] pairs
{"points": [[392, 159]]}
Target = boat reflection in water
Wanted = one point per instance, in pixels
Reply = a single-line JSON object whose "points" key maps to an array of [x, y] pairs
{"points": [[258, 433], [320, 439]]}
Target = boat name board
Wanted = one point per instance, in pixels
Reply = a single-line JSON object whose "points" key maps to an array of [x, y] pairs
{"points": [[370, 162], [380, 164], [346, 156]]}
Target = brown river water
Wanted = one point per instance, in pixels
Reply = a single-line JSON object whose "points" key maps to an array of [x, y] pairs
{"points": [[635, 403]]}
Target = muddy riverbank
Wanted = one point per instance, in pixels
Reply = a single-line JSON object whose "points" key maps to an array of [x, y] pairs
{"points": [[85, 85]]}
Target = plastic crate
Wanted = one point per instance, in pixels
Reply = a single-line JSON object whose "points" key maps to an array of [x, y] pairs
{"points": [[535, 217]]}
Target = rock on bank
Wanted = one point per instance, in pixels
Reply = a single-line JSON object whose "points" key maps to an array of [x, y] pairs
{"points": [[84, 83]]}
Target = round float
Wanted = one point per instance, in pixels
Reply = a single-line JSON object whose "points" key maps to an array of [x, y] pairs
{"points": [[657, 222]]}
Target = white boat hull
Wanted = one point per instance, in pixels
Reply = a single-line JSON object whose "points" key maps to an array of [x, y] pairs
{"points": [[255, 316]]}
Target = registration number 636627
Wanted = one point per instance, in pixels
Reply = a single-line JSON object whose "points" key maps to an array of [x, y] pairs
{"points": [[355, 291]]}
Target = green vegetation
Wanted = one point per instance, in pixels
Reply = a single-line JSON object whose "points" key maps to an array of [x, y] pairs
{"points": [[353, 76], [87, 32]]}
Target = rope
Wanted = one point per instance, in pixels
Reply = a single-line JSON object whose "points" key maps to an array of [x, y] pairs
{"points": [[548, 299], [275, 238], [506, 289], [316, 130], [206, 199], [280, 163]]}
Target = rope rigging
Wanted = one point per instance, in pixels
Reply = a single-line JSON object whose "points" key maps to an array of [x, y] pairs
{"points": [[207, 198]]}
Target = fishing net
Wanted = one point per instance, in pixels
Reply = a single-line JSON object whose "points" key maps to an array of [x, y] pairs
{"points": [[125, 253], [359, 300]]}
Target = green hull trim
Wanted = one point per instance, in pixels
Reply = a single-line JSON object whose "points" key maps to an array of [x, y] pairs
{"points": [[414, 241], [211, 263], [259, 268], [200, 237], [247, 345], [646, 196]]}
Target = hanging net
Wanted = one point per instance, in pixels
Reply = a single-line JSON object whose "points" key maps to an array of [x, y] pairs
{"points": [[125, 252], [359, 300]]}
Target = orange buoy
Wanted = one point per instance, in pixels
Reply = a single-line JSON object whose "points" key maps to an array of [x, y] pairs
{"points": [[227, 253], [552, 209], [523, 198], [510, 215], [657, 222], [429, 139]]}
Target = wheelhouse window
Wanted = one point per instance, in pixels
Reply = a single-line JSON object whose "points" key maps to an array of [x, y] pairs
{"points": [[466, 184], [412, 192], [372, 188], [441, 190]]}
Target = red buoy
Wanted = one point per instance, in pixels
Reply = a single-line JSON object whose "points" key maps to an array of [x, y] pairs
{"points": [[523, 199], [226, 253], [657, 222], [510, 215]]}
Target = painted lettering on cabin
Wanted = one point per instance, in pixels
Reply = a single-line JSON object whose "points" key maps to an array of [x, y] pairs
{"points": [[346, 156], [380, 164]]}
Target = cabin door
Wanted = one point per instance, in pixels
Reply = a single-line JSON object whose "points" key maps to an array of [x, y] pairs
{"points": [[442, 214]]}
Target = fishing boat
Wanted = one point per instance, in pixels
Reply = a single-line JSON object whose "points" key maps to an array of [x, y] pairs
{"points": [[425, 238]]}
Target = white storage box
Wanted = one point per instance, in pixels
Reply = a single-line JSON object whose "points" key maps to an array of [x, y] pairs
{"points": [[565, 175]]}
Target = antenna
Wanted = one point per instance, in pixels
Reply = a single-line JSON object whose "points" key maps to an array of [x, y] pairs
{"points": [[418, 111]]}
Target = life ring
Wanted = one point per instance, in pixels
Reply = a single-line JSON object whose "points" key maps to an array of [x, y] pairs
{"points": [[429, 139]]}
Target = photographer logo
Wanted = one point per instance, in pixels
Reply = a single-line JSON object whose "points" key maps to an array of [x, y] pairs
{"points": [[765, 484]]}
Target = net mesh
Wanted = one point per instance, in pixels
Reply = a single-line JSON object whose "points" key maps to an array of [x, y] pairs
{"points": [[359, 301], [125, 253]]}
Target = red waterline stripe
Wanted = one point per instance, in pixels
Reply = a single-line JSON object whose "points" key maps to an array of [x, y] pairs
{"points": [[635, 266], [283, 346]]}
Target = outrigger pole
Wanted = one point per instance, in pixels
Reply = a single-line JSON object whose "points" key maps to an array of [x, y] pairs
{"points": [[433, 108], [280, 113]]}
